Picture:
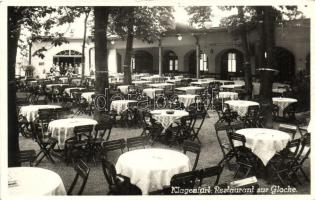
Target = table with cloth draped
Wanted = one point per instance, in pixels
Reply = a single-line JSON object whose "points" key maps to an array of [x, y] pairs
{"points": [[120, 105], [241, 106], [165, 119], [187, 99], [140, 83], [264, 142], [150, 92], [282, 103], [67, 90], [231, 95], [48, 87], [31, 111], [123, 88], [161, 85], [151, 169], [34, 181], [62, 129], [88, 96], [190, 89]]}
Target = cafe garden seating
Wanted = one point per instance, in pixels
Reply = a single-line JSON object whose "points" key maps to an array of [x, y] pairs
{"points": [[186, 118]]}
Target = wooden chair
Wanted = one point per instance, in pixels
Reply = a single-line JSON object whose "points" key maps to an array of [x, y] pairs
{"points": [[210, 172], [221, 131], [244, 157], [135, 142], [27, 156], [113, 145], [186, 180], [82, 172], [117, 183], [291, 129], [189, 146]]}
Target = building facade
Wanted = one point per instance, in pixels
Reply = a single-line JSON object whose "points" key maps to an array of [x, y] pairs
{"points": [[215, 50]]}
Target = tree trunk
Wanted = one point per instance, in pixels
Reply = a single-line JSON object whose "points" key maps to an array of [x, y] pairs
{"points": [[267, 76], [14, 16], [129, 47], [83, 45], [247, 66], [101, 65]]}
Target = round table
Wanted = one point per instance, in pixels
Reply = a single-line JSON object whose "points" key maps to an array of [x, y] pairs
{"points": [[282, 103], [49, 86], [190, 89], [62, 129], [231, 95], [167, 119], [150, 92], [161, 85], [139, 83], [231, 86], [34, 181], [67, 90], [187, 99], [88, 96], [151, 169], [123, 89], [31, 111], [120, 105], [241, 106], [264, 142]]}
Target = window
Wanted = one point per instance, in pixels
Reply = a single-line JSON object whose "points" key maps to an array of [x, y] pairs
{"points": [[203, 62], [173, 64], [133, 63], [231, 62]]}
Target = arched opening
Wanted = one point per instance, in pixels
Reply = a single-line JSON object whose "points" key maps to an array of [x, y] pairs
{"points": [[285, 63], [170, 62], [118, 61], [203, 62], [307, 65], [67, 58], [142, 62], [231, 63]]}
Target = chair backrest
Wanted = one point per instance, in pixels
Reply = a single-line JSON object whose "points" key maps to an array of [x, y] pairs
{"points": [[84, 130], [288, 129], [27, 156], [136, 142], [236, 137], [109, 171], [114, 145], [189, 146], [210, 172], [186, 180], [101, 130], [236, 125], [82, 171]]}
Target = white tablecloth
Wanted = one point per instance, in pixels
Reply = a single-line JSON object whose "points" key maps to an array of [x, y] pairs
{"points": [[62, 129], [64, 79], [67, 90], [204, 83], [279, 90], [123, 89], [167, 119], [120, 105], [187, 99], [151, 169], [33, 181], [241, 106], [190, 89], [31, 111], [161, 85], [231, 86], [231, 95], [87, 96], [49, 86], [282, 103], [174, 81], [264, 142], [150, 92], [138, 83]]}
